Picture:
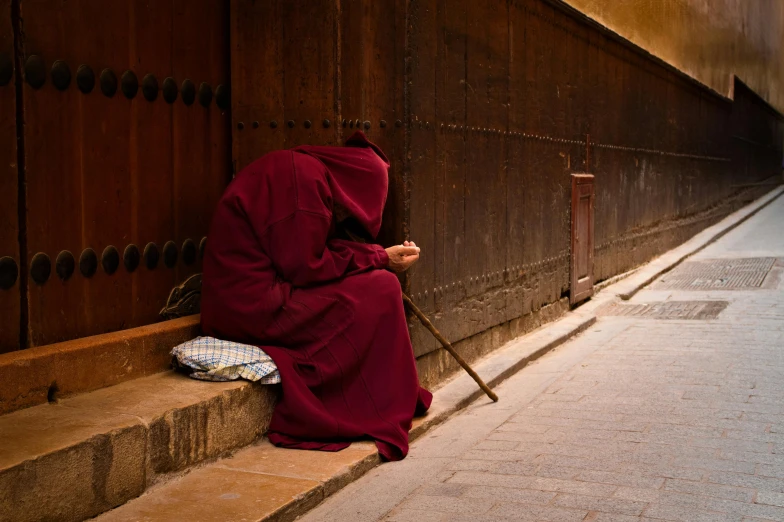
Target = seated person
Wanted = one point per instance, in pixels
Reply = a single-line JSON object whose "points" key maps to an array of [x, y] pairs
{"points": [[291, 268]]}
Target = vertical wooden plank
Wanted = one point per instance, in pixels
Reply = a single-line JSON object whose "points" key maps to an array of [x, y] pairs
{"points": [[391, 31], [201, 138], [519, 93], [486, 112], [371, 89], [50, 115], [311, 71], [451, 110], [108, 169], [421, 185], [10, 285], [109, 189], [256, 80]]}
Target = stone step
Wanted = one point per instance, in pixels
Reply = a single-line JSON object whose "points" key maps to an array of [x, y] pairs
{"points": [[261, 482], [84, 455], [265, 483]]}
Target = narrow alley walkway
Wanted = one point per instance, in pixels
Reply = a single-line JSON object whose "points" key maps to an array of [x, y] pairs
{"points": [[645, 416]]}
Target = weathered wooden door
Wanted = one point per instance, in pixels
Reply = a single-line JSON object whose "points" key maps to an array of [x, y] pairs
{"points": [[9, 215], [123, 150], [582, 237]]}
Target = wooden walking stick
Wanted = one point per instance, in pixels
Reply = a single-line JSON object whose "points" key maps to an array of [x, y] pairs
{"points": [[448, 347]]}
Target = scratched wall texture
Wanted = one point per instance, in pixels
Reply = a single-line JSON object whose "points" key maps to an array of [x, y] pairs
{"points": [[502, 96], [710, 40]]}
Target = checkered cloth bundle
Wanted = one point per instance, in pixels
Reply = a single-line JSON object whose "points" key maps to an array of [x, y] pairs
{"points": [[212, 359]]}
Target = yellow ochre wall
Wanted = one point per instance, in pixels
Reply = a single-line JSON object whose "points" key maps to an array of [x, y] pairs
{"points": [[710, 40]]}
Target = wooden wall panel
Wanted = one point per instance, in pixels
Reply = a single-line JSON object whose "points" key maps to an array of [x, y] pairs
{"points": [[421, 184], [114, 170], [9, 214], [256, 80], [371, 67], [528, 82]]}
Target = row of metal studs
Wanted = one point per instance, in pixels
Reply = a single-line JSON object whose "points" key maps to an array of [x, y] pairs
{"points": [[326, 123], [525, 135], [35, 76], [515, 134], [65, 263], [659, 152], [492, 276]]}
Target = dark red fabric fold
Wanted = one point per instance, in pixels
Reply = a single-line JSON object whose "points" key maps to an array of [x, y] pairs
{"points": [[323, 308]]}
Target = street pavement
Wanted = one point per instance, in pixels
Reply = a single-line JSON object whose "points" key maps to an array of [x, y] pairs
{"points": [[638, 418]]}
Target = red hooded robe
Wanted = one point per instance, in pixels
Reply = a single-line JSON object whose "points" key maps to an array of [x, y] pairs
{"points": [[324, 308]]}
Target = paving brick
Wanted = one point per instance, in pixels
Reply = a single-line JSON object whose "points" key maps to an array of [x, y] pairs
{"points": [[447, 504], [775, 471], [516, 511], [771, 498], [764, 437], [770, 459], [441, 490], [556, 471], [743, 508], [574, 486], [574, 462], [505, 455], [497, 445], [747, 481], [529, 496], [717, 465], [710, 490], [416, 515], [512, 468], [612, 517], [639, 494], [475, 465], [634, 480], [607, 505], [491, 479], [680, 514]]}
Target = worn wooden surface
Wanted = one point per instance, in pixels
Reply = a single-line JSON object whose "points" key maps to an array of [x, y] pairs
{"points": [[9, 216], [503, 96], [107, 171]]}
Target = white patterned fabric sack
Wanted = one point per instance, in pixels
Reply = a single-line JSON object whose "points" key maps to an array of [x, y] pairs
{"points": [[212, 359]]}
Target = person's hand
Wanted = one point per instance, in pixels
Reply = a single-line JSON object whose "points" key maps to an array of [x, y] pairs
{"points": [[401, 257]]}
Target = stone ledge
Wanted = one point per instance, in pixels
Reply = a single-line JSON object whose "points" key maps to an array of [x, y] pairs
{"points": [[30, 377], [267, 483], [82, 456]]}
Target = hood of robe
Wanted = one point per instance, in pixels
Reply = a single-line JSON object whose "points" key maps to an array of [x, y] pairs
{"points": [[358, 178]]}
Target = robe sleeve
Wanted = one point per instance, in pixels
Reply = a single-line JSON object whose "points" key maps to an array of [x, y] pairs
{"points": [[302, 254]]}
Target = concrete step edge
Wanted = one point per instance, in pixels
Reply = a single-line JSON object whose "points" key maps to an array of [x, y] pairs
{"points": [[84, 455], [274, 484]]}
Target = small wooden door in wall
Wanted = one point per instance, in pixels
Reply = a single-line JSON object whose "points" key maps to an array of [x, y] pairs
{"points": [[582, 237]]}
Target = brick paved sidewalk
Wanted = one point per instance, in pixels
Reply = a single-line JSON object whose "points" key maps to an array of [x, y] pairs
{"points": [[636, 419]]}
